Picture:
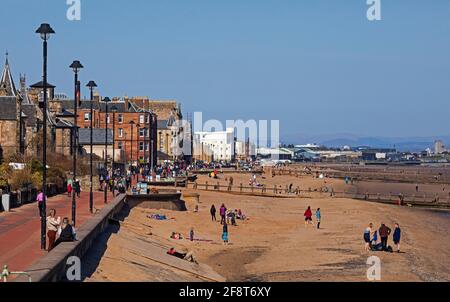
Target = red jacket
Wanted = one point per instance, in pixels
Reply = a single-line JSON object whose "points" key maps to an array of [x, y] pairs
{"points": [[308, 213]]}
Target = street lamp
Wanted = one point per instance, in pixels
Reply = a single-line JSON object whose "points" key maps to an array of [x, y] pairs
{"points": [[138, 159], [106, 101], [45, 31], [76, 66], [91, 86], [114, 110], [152, 142]]}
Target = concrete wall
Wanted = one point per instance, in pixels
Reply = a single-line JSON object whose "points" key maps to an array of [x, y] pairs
{"points": [[52, 267]]}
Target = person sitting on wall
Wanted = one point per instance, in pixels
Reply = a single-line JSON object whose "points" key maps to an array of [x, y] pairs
{"points": [[66, 232]]}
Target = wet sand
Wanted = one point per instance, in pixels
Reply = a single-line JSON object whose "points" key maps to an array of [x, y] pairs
{"points": [[274, 245]]}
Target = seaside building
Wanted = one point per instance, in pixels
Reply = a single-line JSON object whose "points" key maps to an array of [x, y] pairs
{"points": [[274, 153], [439, 147], [220, 144], [132, 142]]}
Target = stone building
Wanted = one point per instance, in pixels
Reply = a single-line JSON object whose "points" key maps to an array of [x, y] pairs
{"points": [[19, 117]]}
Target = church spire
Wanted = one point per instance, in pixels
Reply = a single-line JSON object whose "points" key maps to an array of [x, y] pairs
{"points": [[7, 86]]}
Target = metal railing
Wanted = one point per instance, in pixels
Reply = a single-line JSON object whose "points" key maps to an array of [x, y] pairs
{"points": [[6, 273]]}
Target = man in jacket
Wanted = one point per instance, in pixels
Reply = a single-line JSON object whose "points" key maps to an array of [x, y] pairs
{"points": [[384, 233]]}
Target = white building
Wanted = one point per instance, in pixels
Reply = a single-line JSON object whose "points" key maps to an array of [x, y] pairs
{"points": [[221, 143], [245, 150], [439, 147]]}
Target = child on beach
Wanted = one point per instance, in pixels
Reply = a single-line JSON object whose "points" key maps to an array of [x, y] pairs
{"points": [[367, 236], [308, 217], [397, 236], [225, 233], [318, 218]]}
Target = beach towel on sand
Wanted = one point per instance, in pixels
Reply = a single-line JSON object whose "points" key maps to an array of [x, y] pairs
{"points": [[157, 217]]}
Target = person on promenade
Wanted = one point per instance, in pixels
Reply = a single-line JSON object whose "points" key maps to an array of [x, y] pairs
{"points": [[223, 213], [53, 224], [318, 218], [384, 233], [40, 202], [69, 189], [76, 188], [308, 217], [397, 236], [368, 237], [66, 232], [213, 213], [225, 233]]}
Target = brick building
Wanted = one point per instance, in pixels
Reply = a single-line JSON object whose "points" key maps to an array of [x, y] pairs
{"points": [[132, 142]]}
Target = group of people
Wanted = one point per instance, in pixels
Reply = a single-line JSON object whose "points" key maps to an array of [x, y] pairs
{"points": [[59, 231], [227, 217], [73, 187], [309, 217], [377, 240]]}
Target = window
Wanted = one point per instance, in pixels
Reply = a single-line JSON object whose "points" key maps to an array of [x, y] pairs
{"points": [[141, 146], [108, 118], [147, 118], [120, 118], [120, 132], [87, 117], [141, 132], [120, 145], [141, 119]]}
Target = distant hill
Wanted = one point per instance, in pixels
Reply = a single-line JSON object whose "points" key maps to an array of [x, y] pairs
{"points": [[413, 144]]}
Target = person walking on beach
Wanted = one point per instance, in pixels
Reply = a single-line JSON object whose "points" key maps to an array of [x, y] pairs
{"points": [[213, 213], [384, 233], [397, 236], [318, 218], [223, 213], [368, 236], [53, 224], [225, 233], [308, 217]]}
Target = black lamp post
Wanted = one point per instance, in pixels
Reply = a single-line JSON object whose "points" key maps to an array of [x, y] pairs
{"points": [[132, 123], [107, 101], [44, 31], [76, 66], [91, 86], [113, 110], [138, 158], [152, 140]]}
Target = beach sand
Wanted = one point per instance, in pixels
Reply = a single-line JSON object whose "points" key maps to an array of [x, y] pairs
{"points": [[274, 245]]}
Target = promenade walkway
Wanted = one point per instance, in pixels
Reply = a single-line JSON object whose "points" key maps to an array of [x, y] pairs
{"points": [[20, 228]]}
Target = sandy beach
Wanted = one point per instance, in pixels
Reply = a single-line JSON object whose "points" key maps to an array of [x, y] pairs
{"points": [[273, 243]]}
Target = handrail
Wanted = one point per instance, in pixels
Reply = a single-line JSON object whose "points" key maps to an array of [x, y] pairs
{"points": [[6, 273]]}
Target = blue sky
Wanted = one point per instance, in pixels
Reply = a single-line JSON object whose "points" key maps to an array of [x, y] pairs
{"points": [[319, 66]]}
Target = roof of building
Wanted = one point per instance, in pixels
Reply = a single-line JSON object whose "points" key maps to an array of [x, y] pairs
{"points": [[98, 136], [121, 106], [6, 81]]}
